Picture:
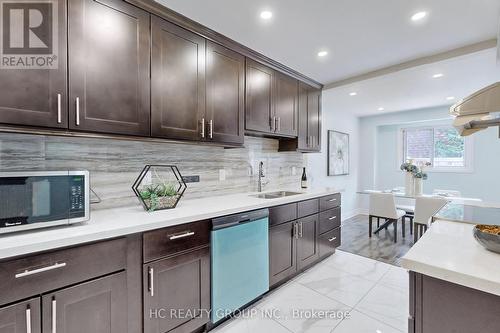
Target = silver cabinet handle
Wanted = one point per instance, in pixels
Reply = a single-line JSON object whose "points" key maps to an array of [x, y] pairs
{"points": [[40, 270], [186, 234], [202, 131], [332, 239], [211, 129], [301, 229], [272, 120], [77, 102], [28, 319], [151, 281], [332, 200], [59, 109], [332, 218], [296, 230], [279, 124], [54, 315]]}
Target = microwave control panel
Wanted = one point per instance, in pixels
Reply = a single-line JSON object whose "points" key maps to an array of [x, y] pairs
{"points": [[77, 196]]}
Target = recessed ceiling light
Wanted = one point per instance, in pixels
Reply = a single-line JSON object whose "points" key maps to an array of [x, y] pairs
{"points": [[450, 98], [418, 16], [353, 93], [266, 15], [438, 75], [381, 109], [322, 53]]}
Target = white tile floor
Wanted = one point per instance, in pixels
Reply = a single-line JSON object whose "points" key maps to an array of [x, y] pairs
{"points": [[374, 294]]}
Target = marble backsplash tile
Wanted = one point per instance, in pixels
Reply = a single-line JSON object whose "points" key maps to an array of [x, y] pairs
{"points": [[114, 164]]}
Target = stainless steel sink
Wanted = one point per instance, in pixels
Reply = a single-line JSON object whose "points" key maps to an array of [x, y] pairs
{"points": [[275, 195]]}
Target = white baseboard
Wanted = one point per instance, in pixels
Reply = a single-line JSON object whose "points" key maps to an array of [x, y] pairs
{"points": [[353, 213]]}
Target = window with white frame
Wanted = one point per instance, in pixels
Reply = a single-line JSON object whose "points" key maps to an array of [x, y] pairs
{"points": [[441, 146]]}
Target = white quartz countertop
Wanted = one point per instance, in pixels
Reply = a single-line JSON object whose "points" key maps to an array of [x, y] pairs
{"points": [[110, 223], [448, 251]]}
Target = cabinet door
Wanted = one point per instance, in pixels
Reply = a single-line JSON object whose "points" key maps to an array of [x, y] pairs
{"points": [[225, 94], [37, 97], [259, 103], [282, 252], [177, 81], [21, 317], [303, 128], [307, 243], [177, 293], [314, 119], [99, 306], [109, 67], [285, 105]]}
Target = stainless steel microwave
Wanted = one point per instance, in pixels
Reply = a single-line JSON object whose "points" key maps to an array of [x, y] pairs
{"points": [[38, 199]]}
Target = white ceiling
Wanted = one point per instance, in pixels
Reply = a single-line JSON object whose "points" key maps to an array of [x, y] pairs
{"points": [[360, 35], [415, 88]]}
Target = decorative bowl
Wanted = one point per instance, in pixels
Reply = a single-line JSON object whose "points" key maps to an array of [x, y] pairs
{"points": [[488, 236]]}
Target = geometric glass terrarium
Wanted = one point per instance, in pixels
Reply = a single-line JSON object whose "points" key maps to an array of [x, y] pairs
{"points": [[159, 187]]}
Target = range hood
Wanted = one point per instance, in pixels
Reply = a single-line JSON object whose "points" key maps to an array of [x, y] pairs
{"points": [[478, 111]]}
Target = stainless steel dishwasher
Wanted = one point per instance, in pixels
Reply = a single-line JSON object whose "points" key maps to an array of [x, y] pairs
{"points": [[240, 261]]}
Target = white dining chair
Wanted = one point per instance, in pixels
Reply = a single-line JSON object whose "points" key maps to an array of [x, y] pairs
{"points": [[382, 205], [449, 193], [425, 208]]}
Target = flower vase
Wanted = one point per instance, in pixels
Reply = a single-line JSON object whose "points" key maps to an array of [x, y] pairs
{"points": [[419, 186], [409, 184]]}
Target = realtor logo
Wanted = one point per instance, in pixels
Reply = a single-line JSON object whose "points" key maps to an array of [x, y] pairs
{"points": [[28, 32]]}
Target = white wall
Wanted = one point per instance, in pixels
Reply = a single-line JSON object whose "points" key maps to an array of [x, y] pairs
{"points": [[340, 120]]}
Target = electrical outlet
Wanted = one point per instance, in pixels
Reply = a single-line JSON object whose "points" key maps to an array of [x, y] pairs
{"points": [[191, 179], [222, 174]]}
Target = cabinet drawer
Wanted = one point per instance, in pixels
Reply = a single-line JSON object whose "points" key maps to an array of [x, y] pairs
{"points": [[164, 242], [44, 272], [307, 207], [282, 214], [329, 202], [329, 219], [329, 241]]}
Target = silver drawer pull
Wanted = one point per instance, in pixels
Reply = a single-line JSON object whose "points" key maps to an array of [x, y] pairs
{"points": [[54, 316], [59, 109], [186, 234], [202, 129], [40, 270], [332, 218], [332, 200], [28, 320], [77, 102], [151, 281], [332, 239]]}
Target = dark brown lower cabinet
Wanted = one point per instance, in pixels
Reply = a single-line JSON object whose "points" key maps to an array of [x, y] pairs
{"points": [[177, 292], [441, 306], [307, 241], [329, 241], [99, 306], [282, 252], [21, 317]]}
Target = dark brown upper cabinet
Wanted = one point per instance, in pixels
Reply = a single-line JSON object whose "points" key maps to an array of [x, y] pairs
{"points": [[285, 105], [109, 53], [225, 84], [259, 98], [309, 122], [177, 82], [38, 97], [271, 102], [314, 119]]}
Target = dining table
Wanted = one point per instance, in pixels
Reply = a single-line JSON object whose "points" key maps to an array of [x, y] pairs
{"points": [[399, 194]]}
